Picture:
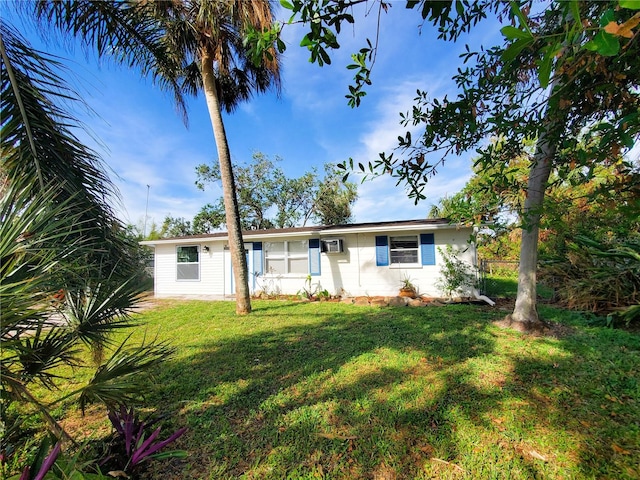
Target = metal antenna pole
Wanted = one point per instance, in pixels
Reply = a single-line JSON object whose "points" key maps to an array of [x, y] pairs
{"points": [[144, 235]]}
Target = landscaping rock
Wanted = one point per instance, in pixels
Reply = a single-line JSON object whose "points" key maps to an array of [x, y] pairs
{"points": [[379, 302], [436, 303], [398, 301], [416, 302], [361, 301]]}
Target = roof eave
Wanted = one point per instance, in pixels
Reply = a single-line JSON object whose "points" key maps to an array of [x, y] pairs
{"points": [[312, 231]]}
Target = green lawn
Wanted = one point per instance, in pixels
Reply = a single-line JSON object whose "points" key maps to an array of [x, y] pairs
{"points": [[496, 286], [326, 390]]}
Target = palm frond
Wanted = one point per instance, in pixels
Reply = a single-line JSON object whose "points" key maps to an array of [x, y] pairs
{"points": [[120, 31], [36, 113], [94, 313], [64, 162], [221, 27], [121, 380], [43, 351], [35, 238]]}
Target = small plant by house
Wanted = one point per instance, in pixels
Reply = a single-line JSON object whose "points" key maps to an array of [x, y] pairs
{"points": [[456, 276], [309, 290], [407, 288]]}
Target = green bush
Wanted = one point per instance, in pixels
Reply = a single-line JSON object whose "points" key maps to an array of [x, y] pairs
{"points": [[596, 276], [456, 276]]}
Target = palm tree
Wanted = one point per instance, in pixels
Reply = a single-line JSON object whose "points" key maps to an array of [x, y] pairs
{"points": [[39, 149], [56, 231], [206, 43], [208, 38]]}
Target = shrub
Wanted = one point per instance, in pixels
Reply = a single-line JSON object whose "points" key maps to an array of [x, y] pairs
{"points": [[456, 276], [596, 276]]}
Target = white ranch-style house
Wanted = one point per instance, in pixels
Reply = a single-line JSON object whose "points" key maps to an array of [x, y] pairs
{"points": [[369, 259]]}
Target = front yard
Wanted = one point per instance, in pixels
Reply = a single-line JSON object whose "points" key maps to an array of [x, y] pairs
{"points": [[326, 390]]}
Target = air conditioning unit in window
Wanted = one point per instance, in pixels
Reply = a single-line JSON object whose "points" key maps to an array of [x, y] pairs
{"points": [[333, 245]]}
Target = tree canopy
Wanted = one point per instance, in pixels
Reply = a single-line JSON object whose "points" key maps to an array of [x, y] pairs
{"points": [[268, 198], [566, 76]]}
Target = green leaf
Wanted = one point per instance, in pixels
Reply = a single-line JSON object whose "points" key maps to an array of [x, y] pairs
{"points": [[575, 10], [515, 48], [511, 33], [325, 56], [170, 454], [544, 70], [286, 4], [630, 4], [607, 17], [515, 10], [306, 41], [604, 43], [627, 140]]}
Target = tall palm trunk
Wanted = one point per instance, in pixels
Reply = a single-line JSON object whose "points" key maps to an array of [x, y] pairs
{"points": [[236, 244]]}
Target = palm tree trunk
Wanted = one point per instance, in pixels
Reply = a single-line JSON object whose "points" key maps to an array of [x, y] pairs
{"points": [[236, 244], [525, 314]]}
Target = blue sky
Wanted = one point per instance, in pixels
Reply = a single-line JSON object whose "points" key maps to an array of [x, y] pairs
{"points": [[143, 141]]}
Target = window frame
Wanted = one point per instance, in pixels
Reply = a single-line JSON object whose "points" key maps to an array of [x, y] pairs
{"points": [[393, 264], [285, 256], [178, 263]]}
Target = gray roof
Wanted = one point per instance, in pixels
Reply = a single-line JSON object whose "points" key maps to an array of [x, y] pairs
{"points": [[429, 223]]}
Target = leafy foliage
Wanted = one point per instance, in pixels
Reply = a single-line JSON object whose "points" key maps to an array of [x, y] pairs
{"points": [[501, 96], [309, 290], [269, 199], [34, 344], [68, 277], [326, 19], [134, 443], [42, 463], [456, 276], [596, 276]]}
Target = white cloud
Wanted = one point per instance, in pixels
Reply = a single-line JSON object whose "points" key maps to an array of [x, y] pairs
{"points": [[381, 199], [140, 148], [147, 144]]}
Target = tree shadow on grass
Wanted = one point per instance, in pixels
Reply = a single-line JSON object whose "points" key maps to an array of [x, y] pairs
{"points": [[393, 393]]}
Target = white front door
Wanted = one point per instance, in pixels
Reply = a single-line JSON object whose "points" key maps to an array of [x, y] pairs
{"points": [[229, 281]]}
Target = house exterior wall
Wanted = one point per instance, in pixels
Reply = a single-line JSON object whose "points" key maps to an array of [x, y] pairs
{"points": [[353, 272], [356, 273], [211, 281]]}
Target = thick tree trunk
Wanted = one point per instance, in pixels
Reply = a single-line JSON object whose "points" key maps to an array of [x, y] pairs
{"points": [[525, 314], [236, 244]]}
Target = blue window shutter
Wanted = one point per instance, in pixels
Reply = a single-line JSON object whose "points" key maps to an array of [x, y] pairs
{"points": [[382, 251], [314, 256], [427, 249], [257, 258]]}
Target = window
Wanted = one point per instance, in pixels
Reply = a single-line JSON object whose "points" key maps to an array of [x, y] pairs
{"points": [[287, 257], [404, 249], [188, 262]]}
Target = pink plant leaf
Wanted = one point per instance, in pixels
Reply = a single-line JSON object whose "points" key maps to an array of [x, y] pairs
{"points": [[141, 455]]}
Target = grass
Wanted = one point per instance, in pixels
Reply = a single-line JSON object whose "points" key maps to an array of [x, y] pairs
{"points": [[333, 391], [507, 287]]}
